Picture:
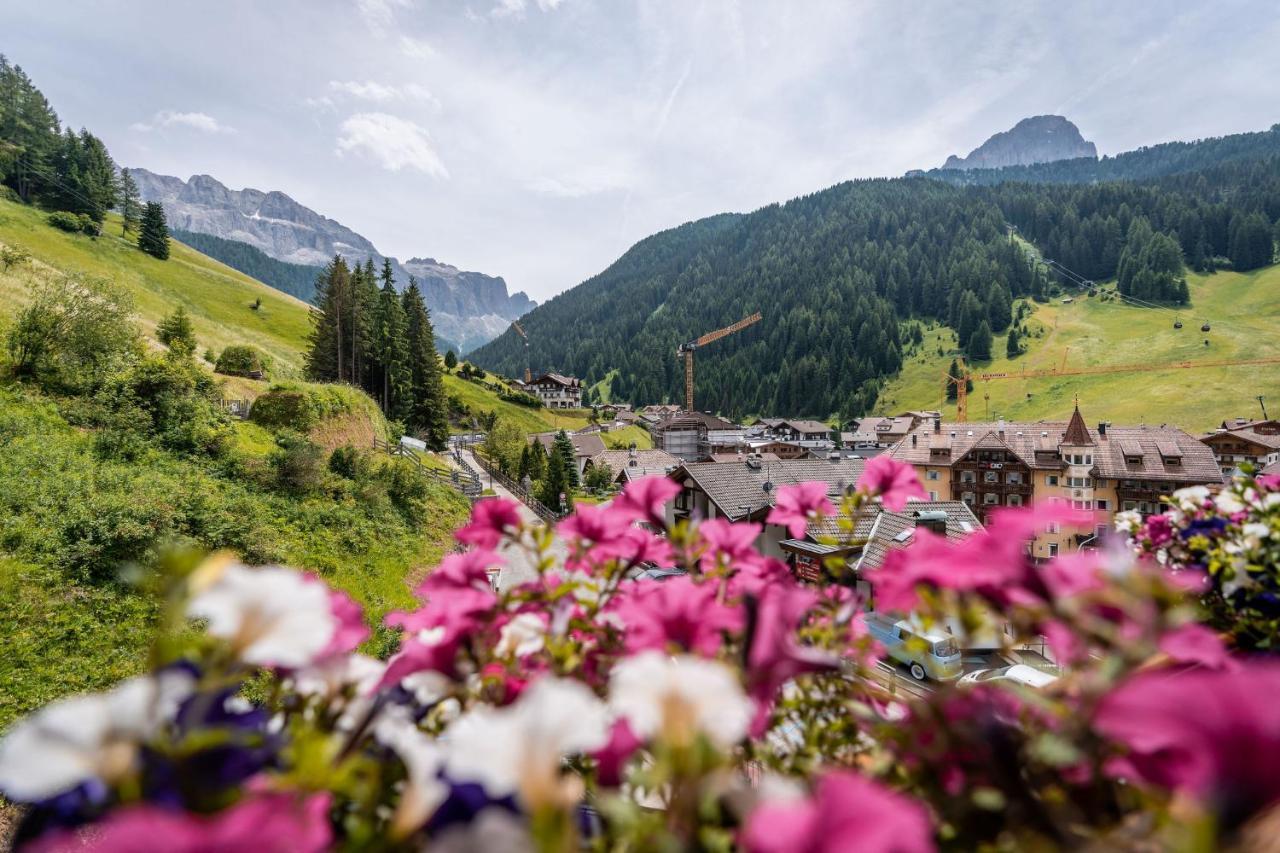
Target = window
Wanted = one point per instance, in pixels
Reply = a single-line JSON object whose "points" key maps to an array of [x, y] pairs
{"points": [[968, 477], [990, 477], [1015, 500], [931, 475], [1129, 506], [968, 498], [1102, 504], [1053, 549], [1051, 480], [1052, 527], [1082, 504], [990, 498], [1014, 477], [933, 496]]}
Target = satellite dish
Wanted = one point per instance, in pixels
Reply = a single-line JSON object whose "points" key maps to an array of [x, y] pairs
{"points": [[768, 487]]}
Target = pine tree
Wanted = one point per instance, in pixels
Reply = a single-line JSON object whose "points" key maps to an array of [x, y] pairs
{"points": [[563, 446], [561, 477], [153, 236], [450, 360], [130, 206], [176, 332], [429, 410], [1011, 347], [325, 359], [954, 371], [979, 347], [391, 347]]}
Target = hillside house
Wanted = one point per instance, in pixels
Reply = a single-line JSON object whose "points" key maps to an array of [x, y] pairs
{"points": [[586, 446], [746, 491], [1103, 470], [556, 391], [632, 464], [1240, 441]]}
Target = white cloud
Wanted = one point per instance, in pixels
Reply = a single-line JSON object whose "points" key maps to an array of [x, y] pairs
{"points": [[394, 143], [202, 122], [416, 48], [379, 14], [378, 92], [516, 8]]}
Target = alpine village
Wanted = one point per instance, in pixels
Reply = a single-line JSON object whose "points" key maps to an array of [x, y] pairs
{"points": [[922, 505]]}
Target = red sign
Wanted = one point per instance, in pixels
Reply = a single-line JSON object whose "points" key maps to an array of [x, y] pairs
{"points": [[808, 569]]}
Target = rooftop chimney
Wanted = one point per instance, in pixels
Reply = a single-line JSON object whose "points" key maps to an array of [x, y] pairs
{"points": [[1000, 426], [937, 424], [933, 520], [1102, 429], [913, 439]]}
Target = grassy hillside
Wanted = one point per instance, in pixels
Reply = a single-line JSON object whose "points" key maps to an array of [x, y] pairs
{"points": [[218, 298], [1242, 308], [479, 398]]}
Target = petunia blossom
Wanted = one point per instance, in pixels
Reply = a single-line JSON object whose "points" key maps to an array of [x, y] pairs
{"points": [[799, 504], [491, 519], [1212, 734], [645, 499], [271, 823], [423, 791], [1195, 644], [84, 738], [349, 627], [271, 616], [847, 812], [678, 697], [732, 543], [895, 482], [678, 612], [775, 656], [518, 749]]}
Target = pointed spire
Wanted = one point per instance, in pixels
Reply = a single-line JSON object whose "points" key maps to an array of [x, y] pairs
{"points": [[1077, 433]]}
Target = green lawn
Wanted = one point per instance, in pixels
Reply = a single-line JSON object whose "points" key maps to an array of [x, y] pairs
{"points": [[482, 399], [621, 439], [218, 298], [1242, 308]]}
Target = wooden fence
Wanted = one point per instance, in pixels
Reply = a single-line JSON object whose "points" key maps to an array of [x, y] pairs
{"points": [[540, 509], [467, 482]]}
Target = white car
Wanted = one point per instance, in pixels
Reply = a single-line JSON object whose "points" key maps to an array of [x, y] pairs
{"points": [[1019, 673]]}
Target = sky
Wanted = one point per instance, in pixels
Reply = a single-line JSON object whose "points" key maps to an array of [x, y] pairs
{"points": [[539, 139]]}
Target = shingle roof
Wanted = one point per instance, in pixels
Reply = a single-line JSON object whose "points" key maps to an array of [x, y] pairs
{"points": [[1250, 433], [559, 379], [589, 445], [886, 531], [641, 464], [693, 420], [1197, 464], [804, 426], [737, 490], [1077, 433]]}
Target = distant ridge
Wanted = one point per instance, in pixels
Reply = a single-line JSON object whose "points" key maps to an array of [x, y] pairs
{"points": [[1039, 139]]}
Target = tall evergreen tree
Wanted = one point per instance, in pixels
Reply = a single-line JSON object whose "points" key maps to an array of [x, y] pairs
{"points": [[325, 358], [979, 347], [176, 332], [563, 447], [1011, 346], [130, 206], [953, 370], [390, 345], [153, 235], [429, 410]]}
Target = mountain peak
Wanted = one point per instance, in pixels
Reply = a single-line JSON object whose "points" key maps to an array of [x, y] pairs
{"points": [[1038, 139]]}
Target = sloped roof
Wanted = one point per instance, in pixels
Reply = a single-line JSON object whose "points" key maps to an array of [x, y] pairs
{"points": [[737, 490], [693, 420], [1250, 433], [1077, 433], [805, 426], [558, 379], [589, 445], [640, 464], [1196, 464], [886, 531]]}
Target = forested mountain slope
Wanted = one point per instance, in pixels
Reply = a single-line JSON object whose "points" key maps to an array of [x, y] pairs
{"points": [[841, 275]]}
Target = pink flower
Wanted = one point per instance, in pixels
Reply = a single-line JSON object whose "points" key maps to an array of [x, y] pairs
{"points": [[350, 630], [1070, 575], [892, 480], [776, 655], [1159, 530], [468, 570], [798, 504], [491, 519], [847, 812], [732, 542], [676, 612], [1269, 482], [645, 499], [1195, 644], [264, 823], [1211, 734], [612, 759]]}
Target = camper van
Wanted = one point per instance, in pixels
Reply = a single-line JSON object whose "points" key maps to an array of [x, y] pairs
{"points": [[927, 652]]}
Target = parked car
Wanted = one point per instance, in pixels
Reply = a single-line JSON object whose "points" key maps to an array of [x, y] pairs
{"points": [[927, 652], [1019, 673]]}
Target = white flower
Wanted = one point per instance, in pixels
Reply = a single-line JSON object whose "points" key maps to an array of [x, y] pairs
{"points": [[518, 749], [95, 736], [329, 679], [1191, 498], [1129, 521], [676, 696], [272, 616], [1254, 534], [1228, 502], [423, 790], [523, 635]]}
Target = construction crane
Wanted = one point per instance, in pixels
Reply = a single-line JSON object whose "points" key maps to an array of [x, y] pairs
{"points": [[685, 351], [528, 375], [962, 409]]}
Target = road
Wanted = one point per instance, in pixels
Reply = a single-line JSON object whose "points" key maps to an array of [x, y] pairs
{"points": [[520, 566]]}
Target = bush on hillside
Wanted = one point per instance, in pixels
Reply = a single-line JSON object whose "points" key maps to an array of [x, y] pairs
{"points": [[299, 464], [301, 406], [242, 360], [173, 400], [346, 462], [64, 221]]}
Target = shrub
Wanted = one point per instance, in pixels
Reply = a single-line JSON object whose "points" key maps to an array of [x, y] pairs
{"points": [[176, 332], [345, 462], [89, 225], [64, 221], [13, 256], [301, 406], [299, 464], [242, 360], [176, 402]]}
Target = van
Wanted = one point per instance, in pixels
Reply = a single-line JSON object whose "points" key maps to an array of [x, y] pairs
{"points": [[927, 652]]}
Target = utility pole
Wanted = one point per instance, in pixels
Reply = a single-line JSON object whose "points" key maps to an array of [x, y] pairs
{"points": [[1264, 407]]}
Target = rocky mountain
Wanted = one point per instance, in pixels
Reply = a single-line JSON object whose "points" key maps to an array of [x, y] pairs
{"points": [[470, 308], [1040, 139]]}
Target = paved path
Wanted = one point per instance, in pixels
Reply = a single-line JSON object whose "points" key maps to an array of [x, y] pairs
{"points": [[520, 567]]}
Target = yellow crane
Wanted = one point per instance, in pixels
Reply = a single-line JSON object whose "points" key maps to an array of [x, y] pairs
{"points": [[528, 375], [685, 351]]}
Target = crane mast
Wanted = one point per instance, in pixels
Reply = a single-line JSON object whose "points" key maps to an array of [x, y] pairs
{"points": [[685, 351]]}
